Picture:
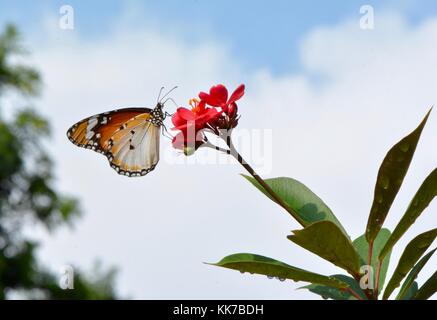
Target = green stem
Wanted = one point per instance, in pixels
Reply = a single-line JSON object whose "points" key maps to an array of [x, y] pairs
{"points": [[356, 295], [369, 292], [266, 187], [378, 271], [369, 254]]}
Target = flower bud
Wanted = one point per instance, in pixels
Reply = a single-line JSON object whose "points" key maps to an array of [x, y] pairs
{"points": [[232, 110], [188, 151]]}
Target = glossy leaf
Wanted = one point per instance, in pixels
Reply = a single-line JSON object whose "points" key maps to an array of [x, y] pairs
{"points": [[299, 198], [326, 240], [390, 177], [411, 292], [428, 288], [327, 292], [252, 263], [423, 197], [413, 251], [362, 247], [413, 275]]}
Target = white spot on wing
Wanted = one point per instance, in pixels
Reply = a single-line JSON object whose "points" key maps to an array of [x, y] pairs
{"points": [[89, 129]]}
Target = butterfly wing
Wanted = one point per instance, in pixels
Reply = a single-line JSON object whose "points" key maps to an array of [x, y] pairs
{"points": [[134, 148], [126, 137]]}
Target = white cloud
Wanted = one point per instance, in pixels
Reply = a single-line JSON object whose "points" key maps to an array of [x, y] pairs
{"points": [[358, 93]]}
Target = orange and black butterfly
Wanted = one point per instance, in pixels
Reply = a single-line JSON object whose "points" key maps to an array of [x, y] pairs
{"points": [[128, 137]]}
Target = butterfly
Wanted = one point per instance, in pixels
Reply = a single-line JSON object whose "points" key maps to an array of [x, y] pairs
{"points": [[128, 137]]}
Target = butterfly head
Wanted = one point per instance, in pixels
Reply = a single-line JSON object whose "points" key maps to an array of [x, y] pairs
{"points": [[157, 115]]}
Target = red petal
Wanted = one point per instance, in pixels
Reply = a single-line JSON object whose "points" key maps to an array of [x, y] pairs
{"points": [[178, 141], [185, 114], [219, 93], [206, 98], [237, 94], [187, 125], [203, 96], [201, 106], [208, 116], [217, 96], [232, 110], [181, 117], [177, 120]]}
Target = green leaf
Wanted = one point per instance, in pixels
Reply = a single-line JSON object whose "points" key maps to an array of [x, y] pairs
{"points": [[428, 288], [252, 263], [325, 239], [413, 275], [413, 251], [423, 197], [390, 177], [362, 247], [299, 198], [32, 123], [411, 292], [327, 292]]}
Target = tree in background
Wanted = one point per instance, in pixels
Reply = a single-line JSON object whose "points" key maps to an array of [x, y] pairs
{"points": [[27, 194]]}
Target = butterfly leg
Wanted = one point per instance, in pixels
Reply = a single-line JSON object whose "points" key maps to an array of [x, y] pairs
{"points": [[165, 132]]}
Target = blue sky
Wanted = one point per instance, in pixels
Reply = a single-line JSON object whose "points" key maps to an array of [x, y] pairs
{"points": [[259, 35], [330, 135]]}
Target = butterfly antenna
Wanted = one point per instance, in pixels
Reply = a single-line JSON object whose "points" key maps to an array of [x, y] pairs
{"points": [[159, 95], [172, 100], [175, 87]]}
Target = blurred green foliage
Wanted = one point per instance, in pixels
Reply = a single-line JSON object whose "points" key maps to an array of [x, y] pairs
{"points": [[27, 193]]}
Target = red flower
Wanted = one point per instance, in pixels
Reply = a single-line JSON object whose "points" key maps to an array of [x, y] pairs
{"points": [[188, 141], [197, 117], [213, 111], [218, 96], [190, 123]]}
